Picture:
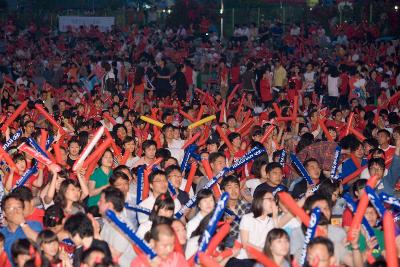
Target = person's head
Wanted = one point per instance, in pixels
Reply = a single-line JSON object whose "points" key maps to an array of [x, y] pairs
{"points": [[13, 208], [174, 175], [231, 185], [120, 180], [263, 203], [180, 231], [370, 144], [26, 195], [95, 256], [53, 218], [168, 130], [158, 182], [383, 137], [48, 242], [376, 166], [212, 145], [217, 161], [277, 243], [149, 148], [320, 250], [205, 201], [164, 206], [21, 252], [274, 173], [235, 139], [162, 240], [357, 149], [107, 159], [20, 162], [129, 144], [111, 198], [29, 127], [79, 227], [313, 168], [320, 201], [70, 192], [73, 147], [330, 188], [358, 187], [371, 215], [231, 121]]}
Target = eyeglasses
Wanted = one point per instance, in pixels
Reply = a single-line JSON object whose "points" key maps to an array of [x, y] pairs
{"points": [[13, 209]]}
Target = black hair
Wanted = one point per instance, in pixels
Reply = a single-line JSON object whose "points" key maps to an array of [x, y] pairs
{"points": [[79, 224], [23, 193], [118, 175], [172, 168], [8, 197], [257, 207], [204, 193], [311, 200], [229, 179], [148, 143], [319, 240], [114, 196], [163, 201], [376, 161], [202, 226], [53, 216], [232, 136], [272, 165], [214, 156], [154, 173]]}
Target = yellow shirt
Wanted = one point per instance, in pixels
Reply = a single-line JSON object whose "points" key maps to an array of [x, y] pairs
{"points": [[279, 76]]}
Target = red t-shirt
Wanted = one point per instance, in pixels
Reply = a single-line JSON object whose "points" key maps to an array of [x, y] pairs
{"points": [[36, 216], [347, 218]]}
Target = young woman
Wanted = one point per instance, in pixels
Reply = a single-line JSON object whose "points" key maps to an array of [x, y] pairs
{"points": [[255, 226], [163, 207], [129, 144], [52, 254], [205, 205], [99, 178], [73, 151], [277, 247], [69, 197]]}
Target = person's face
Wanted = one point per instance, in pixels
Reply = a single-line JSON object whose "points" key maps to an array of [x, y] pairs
{"points": [[371, 215], [107, 159], [21, 165], [338, 116], [121, 133], [377, 170], [62, 106], [324, 207], [313, 170], [206, 205], [176, 178], [29, 128], [359, 152], [280, 246], [164, 212], [72, 193], [268, 203], [159, 184], [94, 257], [232, 123], [383, 139], [319, 253], [180, 231], [218, 165], [50, 248], [237, 142], [336, 195], [333, 133], [169, 133], [150, 152], [275, 176], [22, 259], [74, 149], [130, 146], [233, 189], [263, 171], [122, 185], [212, 148], [14, 211], [164, 246], [128, 125]]}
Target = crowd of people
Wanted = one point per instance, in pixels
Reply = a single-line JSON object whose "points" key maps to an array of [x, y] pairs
{"points": [[139, 121]]}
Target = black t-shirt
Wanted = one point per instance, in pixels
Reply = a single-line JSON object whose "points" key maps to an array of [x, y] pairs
{"points": [[183, 197], [98, 244], [70, 162]]}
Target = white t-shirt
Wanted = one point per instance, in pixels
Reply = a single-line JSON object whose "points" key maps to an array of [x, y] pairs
{"points": [[119, 242], [252, 184], [192, 246], [193, 224], [333, 86], [144, 228], [257, 228]]}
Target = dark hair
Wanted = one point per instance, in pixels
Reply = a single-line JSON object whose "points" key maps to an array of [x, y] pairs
{"points": [[53, 216], [105, 261], [18, 157], [305, 140], [386, 132], [204, 193], [376, 161], [23, 193], [20, 247], [256, 167], [46, 236], [319, 240], [257, 207], [214, 156], [202, 225], [172, 168], [229, 179], [274, 234], [102, 156], [148, 143], [327, 187], [154, 173], [114, 196], [311, 200], [163, 201], [233, 136], [272, 165], [118, 175], [79, 224], [355, 145], [60, 197], [8, 197]]}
